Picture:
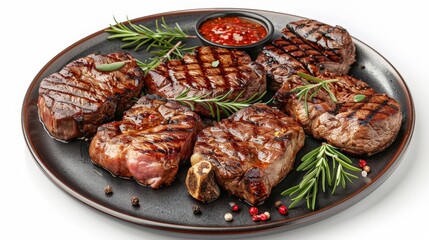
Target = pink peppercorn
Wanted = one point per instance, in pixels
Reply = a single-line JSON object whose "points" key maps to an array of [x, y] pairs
{"points": [[283, 210], [253, 211]]}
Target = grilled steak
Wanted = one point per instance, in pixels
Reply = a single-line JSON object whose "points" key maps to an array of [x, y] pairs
{"points": [[76, 100], [307, 46], [251, 151], [149, 143], [357, 127], [212, 71]]}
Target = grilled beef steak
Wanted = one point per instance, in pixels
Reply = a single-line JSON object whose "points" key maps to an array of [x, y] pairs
{"points": [[76, 100], [251, 151], [358, 127], [150, 141], [307, 46], [210, 70]]}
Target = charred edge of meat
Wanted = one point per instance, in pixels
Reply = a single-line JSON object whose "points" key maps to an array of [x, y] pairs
{"points": [[254, 183]]}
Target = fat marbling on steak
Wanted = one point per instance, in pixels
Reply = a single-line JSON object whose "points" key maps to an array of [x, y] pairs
{"points": [[251, 151], [149, 143], [358, 127], [307, 46], [209, 71], [76, 100]]}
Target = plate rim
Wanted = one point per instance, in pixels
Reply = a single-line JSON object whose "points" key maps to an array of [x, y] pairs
{"points": [[296, 222]]}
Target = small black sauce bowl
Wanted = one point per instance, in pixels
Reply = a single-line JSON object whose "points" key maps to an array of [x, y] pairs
{"points": [[252, 49]]}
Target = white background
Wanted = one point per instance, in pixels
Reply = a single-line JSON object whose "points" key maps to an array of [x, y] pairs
{"points": [[33, 32]]}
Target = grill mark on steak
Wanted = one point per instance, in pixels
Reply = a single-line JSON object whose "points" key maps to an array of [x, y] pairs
{"points": [[61, 100], [375, 111], [307, 52], [359, 128], [91, 98], [359, 106], [225, 83], [62, 85], [308, 33]]}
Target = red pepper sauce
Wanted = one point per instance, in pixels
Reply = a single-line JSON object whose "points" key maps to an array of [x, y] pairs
{"points": [[232, 31]]}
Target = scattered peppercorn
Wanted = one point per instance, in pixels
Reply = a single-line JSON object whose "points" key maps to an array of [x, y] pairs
{"points": [[283, 210], [362, 163], [253, 211], [367, 169], [228, 217], [196, 210], [108, 190], [135, 201], [263, 217], [278, 204], [364, 173], [256, 218], [235, 208], [267, 214]]}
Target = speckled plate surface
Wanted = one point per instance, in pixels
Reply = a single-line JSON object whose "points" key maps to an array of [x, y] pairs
{"points": [[68, 164]]}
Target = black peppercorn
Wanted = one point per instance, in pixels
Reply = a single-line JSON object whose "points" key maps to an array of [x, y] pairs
{"points": [[108, 190], [135, 201], [278, 204], [197, 210]]}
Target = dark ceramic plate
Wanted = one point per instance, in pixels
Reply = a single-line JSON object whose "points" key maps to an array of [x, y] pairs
{"points": [[69, 166]]}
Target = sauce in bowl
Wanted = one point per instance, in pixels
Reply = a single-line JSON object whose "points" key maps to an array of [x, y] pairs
{"points": [[232, 30]]}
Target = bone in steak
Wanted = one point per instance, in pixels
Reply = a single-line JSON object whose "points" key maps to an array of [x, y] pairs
{"points": [[357, 127], [307, 46], [210, 70], [76, 100], [251, 151], [149, 143]]}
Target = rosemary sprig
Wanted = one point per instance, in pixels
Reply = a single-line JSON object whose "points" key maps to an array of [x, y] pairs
{"points": [[309, 90], [161, 42], [320, 172], [219, 104], [138, 35]]}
